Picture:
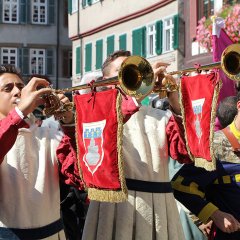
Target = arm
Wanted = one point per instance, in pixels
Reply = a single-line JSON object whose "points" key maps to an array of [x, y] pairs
{"points": [[9, 130], [177, 145], [189, 185]]}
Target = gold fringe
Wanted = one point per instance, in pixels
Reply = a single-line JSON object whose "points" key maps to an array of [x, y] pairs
{"points": [[201, 162], [77, 152]]}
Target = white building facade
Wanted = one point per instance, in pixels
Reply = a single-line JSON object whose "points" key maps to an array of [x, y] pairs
{"points": [[152, 29]]}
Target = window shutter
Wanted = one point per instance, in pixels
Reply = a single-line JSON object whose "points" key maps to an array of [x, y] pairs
{"points": [[110, 45], [23, 11], [28, 12], [136, 45], [123, 42], [143, 53], [89, 2], [51, 11], [88, 57], [1, 12], [159, 30], [24, 60], [69, 6], [50, 62], [84, 3], [99, 53], [176, 28], [78, 60], [139, 42]]}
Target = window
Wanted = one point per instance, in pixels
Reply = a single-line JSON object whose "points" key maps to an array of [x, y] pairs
{"points": [[168, 36], [10, 11], [205, 8], [88, 2], [151, 40], [67, 63], [39, 12], [37, 61], [74, 5], [9, 56]]}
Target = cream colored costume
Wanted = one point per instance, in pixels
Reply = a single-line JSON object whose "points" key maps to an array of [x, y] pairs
{"points": [[145, 216], [29, 181]]}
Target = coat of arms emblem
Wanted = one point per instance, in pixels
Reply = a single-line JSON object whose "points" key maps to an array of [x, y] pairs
{"points": [[93, 144]]}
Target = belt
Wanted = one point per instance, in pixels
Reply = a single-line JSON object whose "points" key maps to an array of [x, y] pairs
{"points": [[34, 233], [146, 186]]}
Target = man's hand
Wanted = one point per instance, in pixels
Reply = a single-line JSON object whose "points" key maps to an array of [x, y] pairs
{"points": [[65, 117], [225, 221], [31, 95]]}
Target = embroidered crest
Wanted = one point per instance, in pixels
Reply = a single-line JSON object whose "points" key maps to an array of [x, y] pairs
{"points": [[197, 109], [93, 144]]}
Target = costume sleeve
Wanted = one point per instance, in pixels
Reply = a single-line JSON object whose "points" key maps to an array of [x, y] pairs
{"points": [[190, 184], [9, 130], [67, 158], [129, 107], [177, 145]]}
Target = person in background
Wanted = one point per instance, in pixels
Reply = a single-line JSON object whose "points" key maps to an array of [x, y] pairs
{"points": [[151, 211], [214, 195], [227, 110], [30, 170]]}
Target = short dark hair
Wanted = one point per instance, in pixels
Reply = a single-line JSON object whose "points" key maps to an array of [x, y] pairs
{"points": [[227, 110], [111, 58], [8, 68]]}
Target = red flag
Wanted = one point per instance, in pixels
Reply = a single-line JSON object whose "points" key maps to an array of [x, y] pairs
{"points": [[99, 127], [198, 103], [220, 40]]}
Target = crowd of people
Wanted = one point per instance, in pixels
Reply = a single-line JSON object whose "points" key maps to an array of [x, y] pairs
{"points": [[42, 193]]}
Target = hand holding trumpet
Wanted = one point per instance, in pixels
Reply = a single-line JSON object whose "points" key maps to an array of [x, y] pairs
{"points": [[37, 92], [166, 86]]}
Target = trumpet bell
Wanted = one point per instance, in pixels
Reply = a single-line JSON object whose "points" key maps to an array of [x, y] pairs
{"points": [[230, 60], [136, 77]]}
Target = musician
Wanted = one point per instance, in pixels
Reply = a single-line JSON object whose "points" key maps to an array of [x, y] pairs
{"points": [[29, 175], [215, 195], [150, 212]]}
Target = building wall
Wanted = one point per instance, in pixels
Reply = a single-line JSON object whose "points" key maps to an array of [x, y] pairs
{"points": [[117, 17], [52, 36]]}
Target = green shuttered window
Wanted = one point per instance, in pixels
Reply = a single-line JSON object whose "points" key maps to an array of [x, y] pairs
{"points": [[99, 53], [123, 42], [78, 60], [88, 57], [139, 42], [176, 32], [110, 45]]}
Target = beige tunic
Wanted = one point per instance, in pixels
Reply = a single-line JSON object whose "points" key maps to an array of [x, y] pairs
{"points": [[29, 181], [144, 216]]}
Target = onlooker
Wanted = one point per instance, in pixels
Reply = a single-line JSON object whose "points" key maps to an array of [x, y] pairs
{"points": [[227, 110]]}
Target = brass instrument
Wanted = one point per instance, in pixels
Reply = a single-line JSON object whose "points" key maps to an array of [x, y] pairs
{"points": [[136, 76]]}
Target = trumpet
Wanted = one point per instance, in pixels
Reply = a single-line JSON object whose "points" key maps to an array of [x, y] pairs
{"points": [[136, 77]]}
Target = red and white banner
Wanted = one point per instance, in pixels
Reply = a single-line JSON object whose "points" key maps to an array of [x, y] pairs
{"points": [[99, 129], [198, 98]]}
